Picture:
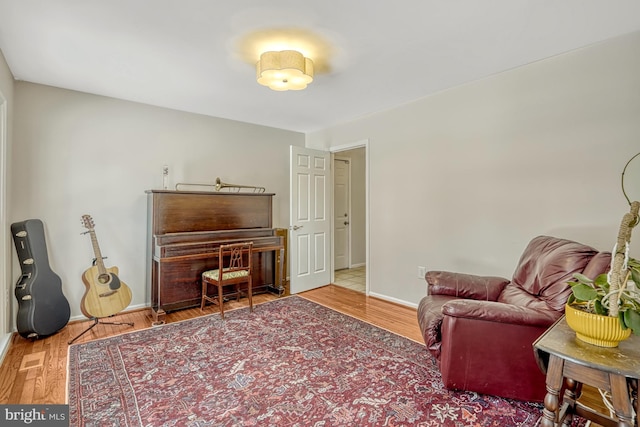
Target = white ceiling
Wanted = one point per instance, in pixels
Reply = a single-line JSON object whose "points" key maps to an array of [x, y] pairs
{"points": [[187, 54]]}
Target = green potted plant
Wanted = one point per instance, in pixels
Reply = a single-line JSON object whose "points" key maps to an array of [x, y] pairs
{"points": [[595, 296], [610, 302]]}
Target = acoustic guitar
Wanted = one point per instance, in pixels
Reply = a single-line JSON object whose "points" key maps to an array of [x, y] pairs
{"points": [[105, 293]]}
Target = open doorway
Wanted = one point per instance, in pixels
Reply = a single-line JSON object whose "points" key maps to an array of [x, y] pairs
{"points": [[350, 218]]}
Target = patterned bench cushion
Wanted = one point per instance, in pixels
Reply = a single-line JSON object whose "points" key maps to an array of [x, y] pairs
{"points": [[213, 274]]}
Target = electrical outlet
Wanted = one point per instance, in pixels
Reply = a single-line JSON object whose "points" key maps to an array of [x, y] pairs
{"points": [[421, 272]]}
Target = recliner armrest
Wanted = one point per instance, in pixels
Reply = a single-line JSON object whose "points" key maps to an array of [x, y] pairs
{"points": [[460, 285], [500, 313]]}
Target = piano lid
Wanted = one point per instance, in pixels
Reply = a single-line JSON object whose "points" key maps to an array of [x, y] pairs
{"points": [[194, 211]]}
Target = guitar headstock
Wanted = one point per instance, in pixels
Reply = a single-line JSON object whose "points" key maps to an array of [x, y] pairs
{"points": [[87, 221]]}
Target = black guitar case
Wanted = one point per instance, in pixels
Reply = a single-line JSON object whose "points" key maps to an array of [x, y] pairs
{"points": [[43, 309]]}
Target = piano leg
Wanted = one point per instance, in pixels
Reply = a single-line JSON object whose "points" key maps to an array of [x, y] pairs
{"points": [[158, 316], [280, 271]]}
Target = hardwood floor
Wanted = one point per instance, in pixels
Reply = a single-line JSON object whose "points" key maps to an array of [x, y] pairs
{"points": [[36, 371], [396, 318]]}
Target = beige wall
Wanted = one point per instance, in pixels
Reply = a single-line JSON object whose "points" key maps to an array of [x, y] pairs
{"points": [[81, 154], [6, 79], [463, 179]]}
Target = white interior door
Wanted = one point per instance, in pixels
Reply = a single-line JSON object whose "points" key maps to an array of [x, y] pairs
{"points": [[309, 219], [342, 213]]}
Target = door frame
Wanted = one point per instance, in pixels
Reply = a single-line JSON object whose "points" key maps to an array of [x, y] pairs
{"points": [[335, 150], [5, 250]]}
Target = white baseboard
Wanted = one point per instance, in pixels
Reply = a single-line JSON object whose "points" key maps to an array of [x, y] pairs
{"points": [[4, 345], [395, 300], [129, 308]]}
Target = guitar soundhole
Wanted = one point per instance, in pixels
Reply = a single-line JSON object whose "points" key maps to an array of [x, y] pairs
{"points": [[103, 278]]}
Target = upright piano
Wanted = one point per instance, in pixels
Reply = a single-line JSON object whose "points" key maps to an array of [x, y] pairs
{"points": [[185, 230]]}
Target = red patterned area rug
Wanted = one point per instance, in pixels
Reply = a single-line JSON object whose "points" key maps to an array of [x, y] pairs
{"points": [[289, 363]]}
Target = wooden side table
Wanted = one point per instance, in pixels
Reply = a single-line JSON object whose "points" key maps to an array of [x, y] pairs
{"points": [[571, 362]]}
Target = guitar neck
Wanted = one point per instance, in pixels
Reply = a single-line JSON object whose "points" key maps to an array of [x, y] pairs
{"points": [[96, 250]]}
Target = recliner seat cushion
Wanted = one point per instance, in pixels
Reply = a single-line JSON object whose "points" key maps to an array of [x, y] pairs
{"points": [[515, 295]]}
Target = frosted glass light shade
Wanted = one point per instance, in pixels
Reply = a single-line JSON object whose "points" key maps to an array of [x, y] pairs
{"points": [[284, 70]]}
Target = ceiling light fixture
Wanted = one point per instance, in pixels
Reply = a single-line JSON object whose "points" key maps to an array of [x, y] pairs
{"points": [[284, 70]]}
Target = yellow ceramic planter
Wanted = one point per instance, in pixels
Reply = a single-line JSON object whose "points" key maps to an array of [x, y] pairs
{"points": [[603, 331]]}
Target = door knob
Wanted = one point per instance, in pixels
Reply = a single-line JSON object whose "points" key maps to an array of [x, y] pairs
{"points": [[346, 223], [297, 227]]}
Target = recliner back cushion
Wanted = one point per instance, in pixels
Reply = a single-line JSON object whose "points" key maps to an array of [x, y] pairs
{"points": [[599, 264], [544, 269]]}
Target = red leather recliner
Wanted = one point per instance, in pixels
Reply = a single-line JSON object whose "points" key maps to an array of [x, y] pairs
{"points": [[481, 329]]}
